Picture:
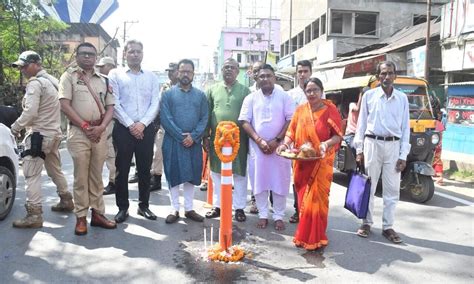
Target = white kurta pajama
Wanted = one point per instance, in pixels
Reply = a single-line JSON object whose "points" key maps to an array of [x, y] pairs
{"points": [[268, 115]]}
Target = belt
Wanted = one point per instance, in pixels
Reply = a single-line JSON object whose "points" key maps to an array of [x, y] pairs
{"points": [[389, 138]]}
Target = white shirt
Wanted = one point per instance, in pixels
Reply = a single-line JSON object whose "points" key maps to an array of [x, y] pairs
{"points": [[137, 96], [382, 116], [298, 96]]}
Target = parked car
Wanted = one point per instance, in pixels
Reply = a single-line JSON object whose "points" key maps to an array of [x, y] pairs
{"points": [[8, 170]]}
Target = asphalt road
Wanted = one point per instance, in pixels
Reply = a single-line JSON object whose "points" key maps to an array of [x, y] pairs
{"points": [[437, 248]]}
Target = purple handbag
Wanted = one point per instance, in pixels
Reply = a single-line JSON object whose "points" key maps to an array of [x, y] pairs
{"points": [[358, 194]]}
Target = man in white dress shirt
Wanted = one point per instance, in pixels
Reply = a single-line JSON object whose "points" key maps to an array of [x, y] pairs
{"points": [[382, 143], [137, 100]]}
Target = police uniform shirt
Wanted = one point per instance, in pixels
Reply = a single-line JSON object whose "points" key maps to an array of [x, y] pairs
{"points": [[41, 108], [71, 87]]}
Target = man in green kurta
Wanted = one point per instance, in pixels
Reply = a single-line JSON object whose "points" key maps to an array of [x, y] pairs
{"points": [[225, 100]]}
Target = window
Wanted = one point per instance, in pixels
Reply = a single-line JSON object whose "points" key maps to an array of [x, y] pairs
{"points": [[365, 24], [254, 57], [287, 47], [315, 27], [282, 49], [239, 57], [353, 23], [238, 41], [294, 44], [341, 22], [323, 25], [307, 34], [272, 47], [419, 19], [259, 37], [300, 39]]}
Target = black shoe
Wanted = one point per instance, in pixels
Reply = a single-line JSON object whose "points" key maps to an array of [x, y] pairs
{"points": [[133, 179], [109, 189], [155, 183], [121, 216], [203, 187], [146, 212]]}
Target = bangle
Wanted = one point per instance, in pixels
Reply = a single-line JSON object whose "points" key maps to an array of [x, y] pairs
{"points": [[85, 125], [258, 139], [325, 145], [286, 145]]}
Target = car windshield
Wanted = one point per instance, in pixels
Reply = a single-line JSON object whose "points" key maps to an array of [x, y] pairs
{"points": [[418, 100]]}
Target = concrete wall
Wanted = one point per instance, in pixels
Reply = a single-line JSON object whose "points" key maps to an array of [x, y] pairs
{"points": [[392, 16]]}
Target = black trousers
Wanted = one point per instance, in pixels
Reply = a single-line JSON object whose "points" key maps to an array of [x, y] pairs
{"points": [[127, 145]]}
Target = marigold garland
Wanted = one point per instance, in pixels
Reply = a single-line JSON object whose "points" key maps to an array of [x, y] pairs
{"points": [[226, 134], [233, 254]]}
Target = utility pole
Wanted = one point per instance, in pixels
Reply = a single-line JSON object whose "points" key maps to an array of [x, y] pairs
{"points": [[125, 37], [225, 13], [428, 34], [291, 26], [270, 29]]}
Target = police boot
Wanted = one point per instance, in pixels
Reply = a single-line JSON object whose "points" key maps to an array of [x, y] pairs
{"points": [[155, 183], [65, 203], [33, 218]]}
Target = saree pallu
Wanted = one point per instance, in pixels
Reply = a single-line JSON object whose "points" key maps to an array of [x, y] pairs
{"points": [[313, 179]]}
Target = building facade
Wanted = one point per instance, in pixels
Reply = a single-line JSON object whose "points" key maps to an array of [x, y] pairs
{"points": [[322, 30], [248, 45]]}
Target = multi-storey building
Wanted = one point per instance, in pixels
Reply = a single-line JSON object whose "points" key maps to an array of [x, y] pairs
{"points": [[248, 44], [321, 30]]}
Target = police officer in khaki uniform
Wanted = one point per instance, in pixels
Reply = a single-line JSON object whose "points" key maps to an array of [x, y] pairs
{"points": [[89, 105], [104, 66], [41, 118]]}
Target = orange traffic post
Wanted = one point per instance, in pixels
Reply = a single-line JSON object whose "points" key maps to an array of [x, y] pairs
{"points": [[226, 144], [225, 237]]}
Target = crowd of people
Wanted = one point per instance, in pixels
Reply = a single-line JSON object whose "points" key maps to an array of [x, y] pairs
{"points": [[116, 114]]}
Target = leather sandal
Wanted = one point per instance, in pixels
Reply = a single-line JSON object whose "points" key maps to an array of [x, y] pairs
{"points": [[240, 215], [295, 218], [364, 231], [214, 213], [392, 236]]}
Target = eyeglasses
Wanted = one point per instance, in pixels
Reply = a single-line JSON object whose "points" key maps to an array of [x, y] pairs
{"points": [[231, 67], [89, 54], [313, 91]]}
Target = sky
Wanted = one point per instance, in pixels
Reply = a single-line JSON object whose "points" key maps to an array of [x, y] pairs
{"points": [[169, 29], [175, 29]]}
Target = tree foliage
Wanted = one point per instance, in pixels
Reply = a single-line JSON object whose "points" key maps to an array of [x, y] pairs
{"points": [[24, 27]]}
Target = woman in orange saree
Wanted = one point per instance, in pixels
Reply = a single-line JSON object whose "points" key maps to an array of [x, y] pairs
{"points": [[319, 123]]}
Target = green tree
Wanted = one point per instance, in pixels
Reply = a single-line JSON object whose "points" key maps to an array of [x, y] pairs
{"points": [[24, 27]]}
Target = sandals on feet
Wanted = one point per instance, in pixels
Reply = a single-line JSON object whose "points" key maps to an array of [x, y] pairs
{"points": [[295, 218], [364, 231], [240, 215], [392, 236], [279, 225], [214, 213]]}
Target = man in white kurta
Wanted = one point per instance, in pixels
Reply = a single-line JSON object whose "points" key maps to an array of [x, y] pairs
{"points": [[265, 116]]}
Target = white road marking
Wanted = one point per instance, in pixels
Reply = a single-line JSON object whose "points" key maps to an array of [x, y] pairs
{"points": [[465, 202]]}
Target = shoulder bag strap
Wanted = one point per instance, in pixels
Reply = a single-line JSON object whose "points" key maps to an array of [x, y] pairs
{"points": [[93, 94]]}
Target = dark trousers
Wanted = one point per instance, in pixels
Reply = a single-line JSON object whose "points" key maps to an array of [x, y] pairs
{"points": [[127, 145]]}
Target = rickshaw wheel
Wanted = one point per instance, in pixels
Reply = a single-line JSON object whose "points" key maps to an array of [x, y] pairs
{"points": [[424, 191]]}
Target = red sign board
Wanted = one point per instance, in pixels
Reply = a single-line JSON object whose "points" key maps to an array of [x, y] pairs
{"points": [[364, 66]]}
